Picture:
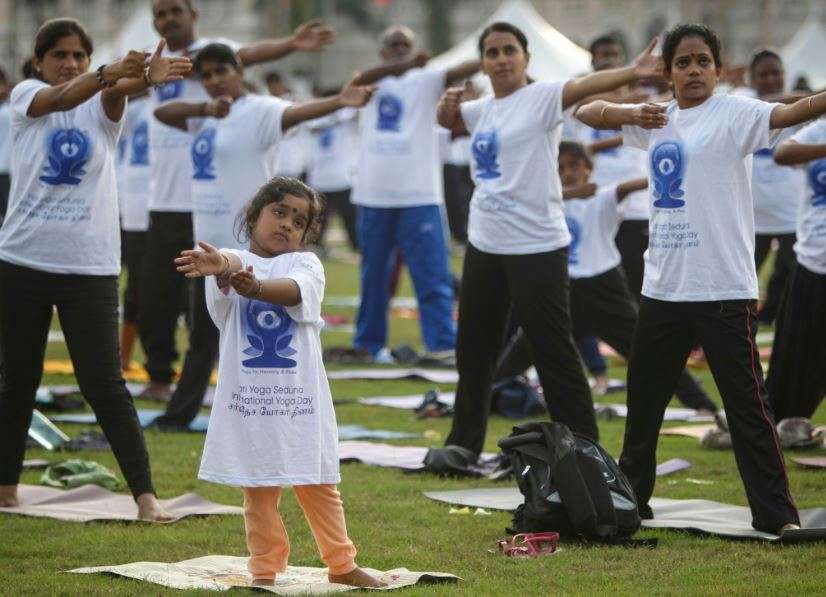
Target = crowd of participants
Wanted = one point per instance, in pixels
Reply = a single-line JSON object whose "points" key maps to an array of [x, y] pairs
{"points": [[632, 205]]}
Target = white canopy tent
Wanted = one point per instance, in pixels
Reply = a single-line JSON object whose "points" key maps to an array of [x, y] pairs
{"points": [[554, 57], [805, 54], [137, 33]]}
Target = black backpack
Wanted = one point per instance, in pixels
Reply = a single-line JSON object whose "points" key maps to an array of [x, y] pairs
{"points": [[571, 485]]}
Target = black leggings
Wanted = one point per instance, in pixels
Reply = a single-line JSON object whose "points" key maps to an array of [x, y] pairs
{"points": [[797, 369], [666, 332], [134, 246], [88, 310], [339, 202], [784, 263], [537, 285]]}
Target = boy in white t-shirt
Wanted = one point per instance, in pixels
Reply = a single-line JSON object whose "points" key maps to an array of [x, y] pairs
{"points": [[170, 218], [797, 376], [398, 188], [700, 281], [273, 424]]}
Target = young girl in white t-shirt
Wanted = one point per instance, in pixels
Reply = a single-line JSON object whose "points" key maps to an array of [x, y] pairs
{"points": [[272, 423], [700, 281]]}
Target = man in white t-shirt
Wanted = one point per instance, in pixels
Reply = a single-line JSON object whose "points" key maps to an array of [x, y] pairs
{"points": [[170, 218], [398, 188], [5, 143]]}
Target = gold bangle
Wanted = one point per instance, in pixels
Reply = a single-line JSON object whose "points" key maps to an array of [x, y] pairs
{"points": [[260, 289], [225, 270], [602, 113]]}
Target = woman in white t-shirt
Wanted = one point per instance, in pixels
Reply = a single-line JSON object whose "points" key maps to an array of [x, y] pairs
{"points": [[700, 282], [272, 423], [234, 138], [517, 237], [60, 245], [797, 376], [778, 190]]}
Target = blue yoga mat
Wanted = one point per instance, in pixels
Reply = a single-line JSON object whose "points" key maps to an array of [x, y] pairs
{"points": [[199, 425]]}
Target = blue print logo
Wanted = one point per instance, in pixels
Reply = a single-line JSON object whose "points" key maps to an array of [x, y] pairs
{"points": [[575, 229], [325, 138], [766, 152], [203, 149], [140, 145], [170, 91], [122, 145], [485, 148], [68, 151], [390, 112], [667, 169], [600, 135], [817, 180], [268, 331]]}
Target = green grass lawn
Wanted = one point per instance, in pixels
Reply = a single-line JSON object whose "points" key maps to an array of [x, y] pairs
{"points": [[393, 525]]}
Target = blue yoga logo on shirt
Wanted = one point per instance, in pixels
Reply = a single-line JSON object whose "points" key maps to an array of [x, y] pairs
{"points": [[390, 112], [766, 152], [575, 229], [170, 91], [67, 150], [123, 143], [325, 138], [485, 148], [601, 135], [817, 180], [203, 150], [267, 328], [140, 145], [667, 170]]}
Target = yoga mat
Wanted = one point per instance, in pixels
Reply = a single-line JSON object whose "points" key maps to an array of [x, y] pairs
{"points": [[91, 502], [404, 457], [702, 516], [672, 466], [45, 433], [199, 425], [221, 573], [695, 431], [811, 462], [134, 388], [431, 375], [65, 367]]}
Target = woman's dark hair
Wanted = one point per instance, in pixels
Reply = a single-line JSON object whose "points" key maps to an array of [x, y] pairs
{"points": [[274, 192], [27, 70], [218, 53], [762, 55], [577, 150], [676, 35], [54, 30], [501, 27]]}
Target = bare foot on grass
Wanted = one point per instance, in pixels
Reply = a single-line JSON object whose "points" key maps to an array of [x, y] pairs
{"points": [[150, 509], [8, 496], [356, 578]]}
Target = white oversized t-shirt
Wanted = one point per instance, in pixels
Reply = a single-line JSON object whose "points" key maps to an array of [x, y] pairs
{"points": [[171, 166], [778, 190], [134, 170], [516, 207], [231, 159], [593, 224], [618, 165], [811, 229], [399, 162], [63, 208], [272, 422], [332, 151], [5, 138], [701, 230]]}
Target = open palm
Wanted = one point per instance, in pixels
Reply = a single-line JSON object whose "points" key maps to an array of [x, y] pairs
{"points": [[647, 64], [313, 36]]}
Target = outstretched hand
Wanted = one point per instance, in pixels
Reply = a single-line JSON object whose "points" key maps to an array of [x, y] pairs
{"points": [[244, 282], [163, 69], [219, 107], [197, 263], [650, 116], [313, 36], [647, 64], [354, 95]]}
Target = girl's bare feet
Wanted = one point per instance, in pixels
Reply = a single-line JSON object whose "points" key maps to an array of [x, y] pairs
{"points": [[150, 509], [8, 496], [262, 582], [356, 578]]}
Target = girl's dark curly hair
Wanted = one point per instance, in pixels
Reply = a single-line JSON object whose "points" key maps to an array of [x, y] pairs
{"points": [[274, 192]]}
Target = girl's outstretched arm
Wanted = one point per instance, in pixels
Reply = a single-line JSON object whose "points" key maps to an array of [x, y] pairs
{"points": [[281, 291], [791, 153], [800, 111]]}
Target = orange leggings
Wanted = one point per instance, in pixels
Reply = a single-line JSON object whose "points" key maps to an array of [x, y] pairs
{"points": [[267, 539]]}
